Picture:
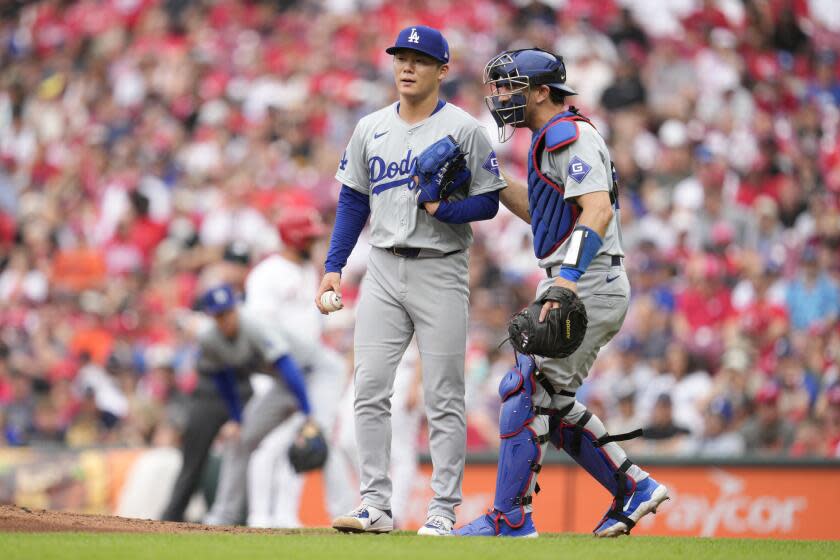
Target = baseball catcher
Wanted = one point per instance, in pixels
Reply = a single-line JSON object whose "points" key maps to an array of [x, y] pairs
{"points": [[571, 202]]}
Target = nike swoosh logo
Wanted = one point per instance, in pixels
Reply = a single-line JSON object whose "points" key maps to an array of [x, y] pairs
{"points": [[377, 135], [372, 521], [610, 279], [629, 501]]}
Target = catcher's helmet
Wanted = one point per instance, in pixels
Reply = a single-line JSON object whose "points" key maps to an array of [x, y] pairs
{"points": [[516, 71], [298, 226]]}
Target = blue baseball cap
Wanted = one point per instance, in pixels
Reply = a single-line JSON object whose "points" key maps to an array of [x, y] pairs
{"points": [[216, 301], [423, 39]]}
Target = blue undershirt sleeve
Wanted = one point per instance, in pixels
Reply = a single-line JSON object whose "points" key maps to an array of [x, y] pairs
{"points": [[225, 381], [350, 218], [290, 372], [472, 209]]}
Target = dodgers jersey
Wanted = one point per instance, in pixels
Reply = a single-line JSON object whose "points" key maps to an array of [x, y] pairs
{"points": [[377, 161], [583, 167]]}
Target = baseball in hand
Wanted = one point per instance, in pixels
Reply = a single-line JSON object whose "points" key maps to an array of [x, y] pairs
{"points": [[331, 301]]}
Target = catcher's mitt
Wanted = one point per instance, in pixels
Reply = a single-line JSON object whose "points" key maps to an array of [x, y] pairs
{"points": [[440, 171], [309, 450], [559, 335]]}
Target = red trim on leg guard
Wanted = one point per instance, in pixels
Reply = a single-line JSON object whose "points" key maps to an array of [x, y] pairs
{"points": [[508, 522], [537, 461]]}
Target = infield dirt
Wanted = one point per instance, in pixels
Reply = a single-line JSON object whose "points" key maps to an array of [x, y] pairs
{"points": [[26, 520]]}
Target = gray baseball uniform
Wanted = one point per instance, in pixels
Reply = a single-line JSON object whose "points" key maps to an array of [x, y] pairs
{"points": [[604, 287], [402, 296], [255, 349], [571, 182], [585, 167]]}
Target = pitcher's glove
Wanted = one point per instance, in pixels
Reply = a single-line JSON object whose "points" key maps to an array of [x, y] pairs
{"points": [[309, 450], [559, 335], [440, 171]]}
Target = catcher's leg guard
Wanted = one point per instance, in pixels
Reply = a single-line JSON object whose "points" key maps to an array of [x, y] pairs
{"points": [[583, 436], [520, 455]]}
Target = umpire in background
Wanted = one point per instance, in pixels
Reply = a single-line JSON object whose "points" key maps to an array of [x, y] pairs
{"points": [[208, 410]]}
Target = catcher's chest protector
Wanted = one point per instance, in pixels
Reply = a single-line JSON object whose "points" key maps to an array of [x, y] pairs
{"points": [[552, 218]]}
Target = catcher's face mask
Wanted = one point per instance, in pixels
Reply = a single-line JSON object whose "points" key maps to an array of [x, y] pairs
{"points": [[511, 75], [509, 93]]}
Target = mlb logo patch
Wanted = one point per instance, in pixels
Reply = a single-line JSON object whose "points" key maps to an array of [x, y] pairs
{"points": [[578, 169], [491, 164]]}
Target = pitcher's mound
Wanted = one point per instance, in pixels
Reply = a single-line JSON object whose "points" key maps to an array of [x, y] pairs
{"points": [[21, 519]]}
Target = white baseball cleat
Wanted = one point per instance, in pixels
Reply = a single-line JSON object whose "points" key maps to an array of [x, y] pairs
{"points": [[436, 526], [365, 519]]}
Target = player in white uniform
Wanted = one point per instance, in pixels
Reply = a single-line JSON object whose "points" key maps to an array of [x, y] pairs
{"points": [[571, 202], [279, 290], [417, 275]]}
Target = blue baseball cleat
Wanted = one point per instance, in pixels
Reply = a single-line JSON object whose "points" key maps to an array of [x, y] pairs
{"points": [[644, 499], [491, 525]]}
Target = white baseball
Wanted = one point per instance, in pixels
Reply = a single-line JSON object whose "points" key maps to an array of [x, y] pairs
{"points": [[331, 301]]}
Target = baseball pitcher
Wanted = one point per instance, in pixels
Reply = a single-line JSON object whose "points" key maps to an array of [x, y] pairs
{"points": [[421, 169]]}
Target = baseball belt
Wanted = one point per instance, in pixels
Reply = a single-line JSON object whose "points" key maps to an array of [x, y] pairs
{"points": [[615, 260], [417, 253]]}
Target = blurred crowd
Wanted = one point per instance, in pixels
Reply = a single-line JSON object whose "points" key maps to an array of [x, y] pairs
{"points": [[147, 148]]}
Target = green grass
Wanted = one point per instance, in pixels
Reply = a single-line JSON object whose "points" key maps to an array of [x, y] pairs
{"points": [[320, 544]]}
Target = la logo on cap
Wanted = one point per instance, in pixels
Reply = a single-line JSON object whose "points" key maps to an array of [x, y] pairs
{"points": [[414, 37], [220, 296]]}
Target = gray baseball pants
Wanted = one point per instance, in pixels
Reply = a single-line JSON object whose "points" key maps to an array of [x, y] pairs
{"points": [[260, 417], [605, 291], [401, 297]]}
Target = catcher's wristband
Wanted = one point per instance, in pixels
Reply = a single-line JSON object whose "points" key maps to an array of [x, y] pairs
{"points": [[584, 244]]}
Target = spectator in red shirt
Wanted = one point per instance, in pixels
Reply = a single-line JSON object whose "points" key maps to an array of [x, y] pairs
{"points": [[763, 320], [704, 306], [144, 233]]}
